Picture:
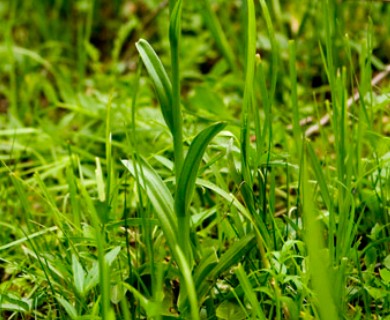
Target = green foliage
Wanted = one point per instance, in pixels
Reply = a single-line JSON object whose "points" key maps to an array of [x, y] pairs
{"points": [[257, 173]]}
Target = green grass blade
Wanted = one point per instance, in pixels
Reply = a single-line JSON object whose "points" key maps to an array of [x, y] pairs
{"points": [[323, 185], [249, 293], [160, 79], [294, 95], [321, 180], [274, 46], [151, 308], [177, 119], [104, 269], [217, 32], [248, 91], [319, 266]]}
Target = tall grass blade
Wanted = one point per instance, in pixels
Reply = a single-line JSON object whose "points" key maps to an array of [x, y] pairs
{"points": [[319, 266], [326, 197], [217, 32], [249, 293], [104, 269], [174, 39], [294, 95], [250, 47], [274, 47]]}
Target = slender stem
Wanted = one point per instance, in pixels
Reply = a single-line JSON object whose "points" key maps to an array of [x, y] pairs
{"points": [[175, 30]]}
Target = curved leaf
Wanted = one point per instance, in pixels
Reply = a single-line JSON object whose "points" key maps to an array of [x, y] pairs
{"points": [[186, 181], [207, 273], [160, 79], [162, 202], [158, 194]]}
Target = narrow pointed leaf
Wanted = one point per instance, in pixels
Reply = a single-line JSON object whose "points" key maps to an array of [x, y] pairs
{"points": [[320, 177], [250, 293], [217, 32], [160, 79], [175, 23]]}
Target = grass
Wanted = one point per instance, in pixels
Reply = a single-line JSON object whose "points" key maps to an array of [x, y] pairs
{"points": [[155, 162]]}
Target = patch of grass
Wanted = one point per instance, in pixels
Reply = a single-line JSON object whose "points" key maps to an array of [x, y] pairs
{"points": [[194, 160]]}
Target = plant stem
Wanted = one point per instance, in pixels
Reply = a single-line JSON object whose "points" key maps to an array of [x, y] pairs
{"points": [[174, 37]]}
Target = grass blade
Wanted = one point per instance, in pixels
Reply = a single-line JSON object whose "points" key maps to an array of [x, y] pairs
{"points": [[217, 33], [249, 293], [319, 260]]}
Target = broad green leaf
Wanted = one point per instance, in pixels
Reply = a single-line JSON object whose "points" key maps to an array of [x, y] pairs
{"points": [[152, 308], [162, 201], [321, 277], [206, 265], [158, 194], [229, 310], [376, 293], [208, 103], [117, 293], [204, 276], [386, 262], [160, 79], [92, 278], [111, 255], [234, 202], [78, 276], [385, 275], [186, 182], [13, 303]]}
